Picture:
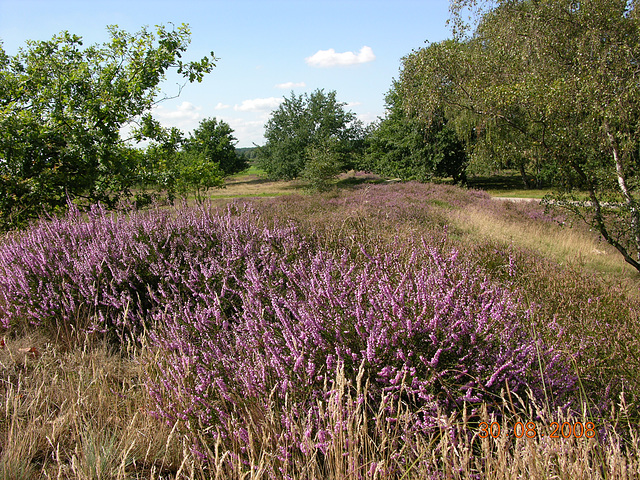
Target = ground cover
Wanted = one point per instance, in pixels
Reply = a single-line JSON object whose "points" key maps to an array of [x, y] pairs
{"points": [[378, 331]]}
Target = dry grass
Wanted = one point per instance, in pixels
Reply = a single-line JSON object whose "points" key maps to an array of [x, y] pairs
{"points": [[564, 244], [79, 413], [82, 414], [255, 186]]}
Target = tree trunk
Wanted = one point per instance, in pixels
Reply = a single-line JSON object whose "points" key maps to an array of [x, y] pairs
{"points": [[523, 174], [600, 225], [631, 202], [598, 221]]}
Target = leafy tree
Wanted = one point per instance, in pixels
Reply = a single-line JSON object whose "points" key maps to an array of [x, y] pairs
{"points": [[249, 154], [197, 173], [62, 108], [175, 167], [214, 141], [323, 164], [557, 78], [160, 171], [305, 121], [405, 146]]}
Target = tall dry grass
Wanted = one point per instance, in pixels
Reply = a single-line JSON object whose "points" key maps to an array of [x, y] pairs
{"points": [[82, 414], [79, 412], [563, 243]]}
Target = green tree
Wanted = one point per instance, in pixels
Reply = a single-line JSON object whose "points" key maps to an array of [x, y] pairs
{"points": [[160, 172], [305, 121], [62, 108], [214, 141], [557, 78], [323, 164], [196, 173], [174, 167], [405, 146]]}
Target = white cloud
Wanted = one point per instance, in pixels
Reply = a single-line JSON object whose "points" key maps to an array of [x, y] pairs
{"points": [[258, 104], [248, 132], [184, 111], [368, 117], [330, 58], [221, 106], [291, 85], [185, 116]]}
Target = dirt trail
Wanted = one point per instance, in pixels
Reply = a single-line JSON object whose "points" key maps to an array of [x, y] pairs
{"points": [[517, 199]]}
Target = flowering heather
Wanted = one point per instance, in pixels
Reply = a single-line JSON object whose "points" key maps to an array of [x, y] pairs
{"points": [[423, 324], [249, 315], [108, 273]]}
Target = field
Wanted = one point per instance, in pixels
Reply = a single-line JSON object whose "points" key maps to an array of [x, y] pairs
{"points": [[379, 330]]}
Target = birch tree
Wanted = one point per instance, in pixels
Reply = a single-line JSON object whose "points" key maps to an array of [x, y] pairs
{"points": [[558, 78]]}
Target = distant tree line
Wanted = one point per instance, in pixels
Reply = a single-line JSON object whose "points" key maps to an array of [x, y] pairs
{"points": [[548, 87], [63, 107], [248, 153], [313, 137]]}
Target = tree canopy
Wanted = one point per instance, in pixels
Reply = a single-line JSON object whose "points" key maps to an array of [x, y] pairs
{"points": [[552, 85], [62, 110], [178, 166], [303, 122], [405, 146], [214, 140]]}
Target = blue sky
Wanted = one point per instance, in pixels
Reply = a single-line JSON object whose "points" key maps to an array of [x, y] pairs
{"points": [[265, 48]]}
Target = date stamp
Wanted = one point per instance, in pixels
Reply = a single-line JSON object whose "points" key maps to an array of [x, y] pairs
{"points": [[531, 430]]}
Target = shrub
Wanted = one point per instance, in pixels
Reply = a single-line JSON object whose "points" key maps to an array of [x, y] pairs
{"points": [[421, 325], [108, 273], [323, 165], [251, 316]]}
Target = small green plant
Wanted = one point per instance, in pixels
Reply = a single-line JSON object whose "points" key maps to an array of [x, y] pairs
{"points": [[323, 166], [198, 174]]}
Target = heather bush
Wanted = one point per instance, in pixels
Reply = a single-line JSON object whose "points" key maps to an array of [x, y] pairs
{"points": [[294, 330], [67, 273], [421, 324], [582, 306], [109, 273]]}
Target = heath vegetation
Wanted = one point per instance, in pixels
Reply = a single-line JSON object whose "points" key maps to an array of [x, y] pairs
{"points": [[363, 333]]}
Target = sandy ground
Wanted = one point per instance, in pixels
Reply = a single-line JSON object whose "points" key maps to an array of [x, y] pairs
{"points": [[517, 199]]}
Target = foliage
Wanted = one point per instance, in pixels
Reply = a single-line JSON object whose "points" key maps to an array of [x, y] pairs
{"points": [[406, 147], [214, 140], [62, 108], [306, 121], [159, 172], [197, 173], [249, 153], [557, 80], [323, 165], [178, 166]]}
